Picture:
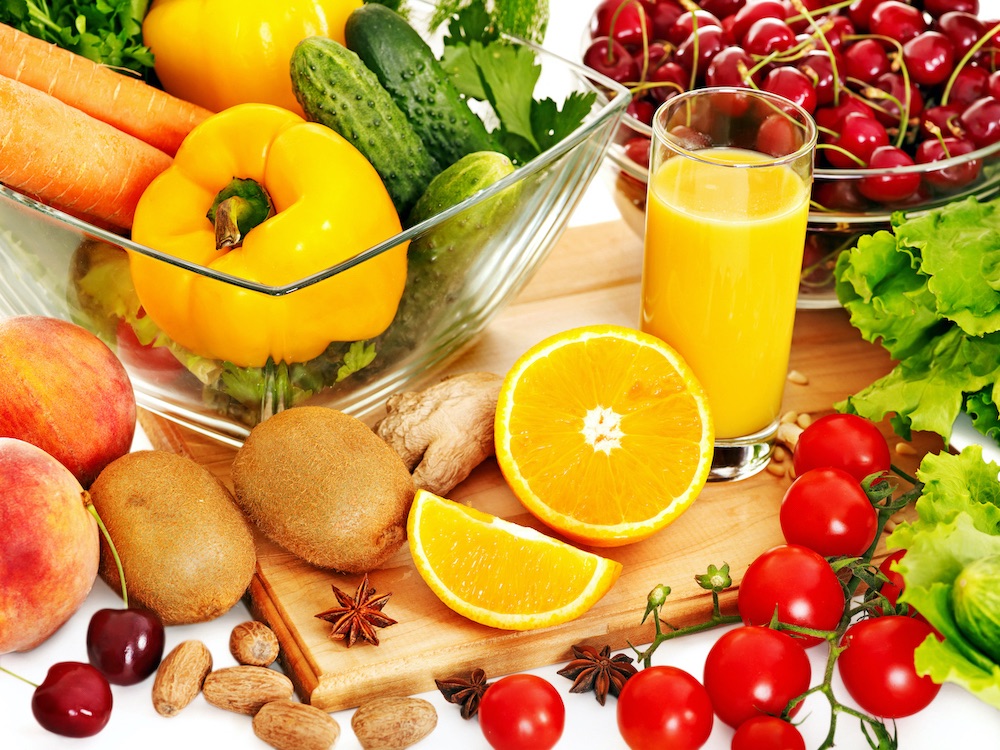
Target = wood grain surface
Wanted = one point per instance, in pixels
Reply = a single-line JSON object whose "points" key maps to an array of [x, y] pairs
{"points": [[592, 276]]}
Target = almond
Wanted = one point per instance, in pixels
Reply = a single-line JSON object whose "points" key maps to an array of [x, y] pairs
{"points": [[244, 689], [180, 676], [287, 725], [253, 643], [393, 723]]}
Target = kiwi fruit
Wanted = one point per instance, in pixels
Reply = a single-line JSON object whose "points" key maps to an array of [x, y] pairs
{"points": [[322, 485], [186, 550]]}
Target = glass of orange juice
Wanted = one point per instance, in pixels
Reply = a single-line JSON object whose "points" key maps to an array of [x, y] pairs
{"points": [[728, 198]]}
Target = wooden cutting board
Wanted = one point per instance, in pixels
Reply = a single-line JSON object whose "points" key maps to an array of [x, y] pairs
{"points": [[592, 276]]}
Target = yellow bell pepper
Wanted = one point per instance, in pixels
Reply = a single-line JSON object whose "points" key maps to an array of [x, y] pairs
{"points": [[218, 53], [327, 203]]}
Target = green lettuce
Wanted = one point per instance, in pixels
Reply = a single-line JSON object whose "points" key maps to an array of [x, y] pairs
{"points": [[958, 521], [929, 292]]}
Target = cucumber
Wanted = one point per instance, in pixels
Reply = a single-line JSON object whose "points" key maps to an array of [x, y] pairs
{"points": [[406, 67], [336, 89]]}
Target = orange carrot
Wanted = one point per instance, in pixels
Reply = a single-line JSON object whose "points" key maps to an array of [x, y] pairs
{"points": [[70, 160], [128, 103]]}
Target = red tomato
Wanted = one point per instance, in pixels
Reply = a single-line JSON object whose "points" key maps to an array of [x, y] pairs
{"points": [[799, 583], [522, 712], [877, 666], [753, 670], [846, 441], [827, 511], [662, 707], [767, 733], [894, 586]]}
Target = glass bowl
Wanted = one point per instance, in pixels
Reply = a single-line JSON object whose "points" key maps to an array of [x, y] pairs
{"points": [[55, 265], [839, 213]]}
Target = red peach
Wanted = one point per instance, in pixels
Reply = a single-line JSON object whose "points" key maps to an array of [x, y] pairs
{"points": [[49, 548], [64, 390]]}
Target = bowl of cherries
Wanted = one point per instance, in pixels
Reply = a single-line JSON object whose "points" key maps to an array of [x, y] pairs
{"points": [[906, 98]]}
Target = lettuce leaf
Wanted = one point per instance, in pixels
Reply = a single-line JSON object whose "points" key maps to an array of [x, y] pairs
{"points": [[929, 292], [958, 521]]}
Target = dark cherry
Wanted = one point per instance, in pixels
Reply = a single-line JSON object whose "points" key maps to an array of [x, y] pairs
{"points": [[723, 9], [866, 60], [622, 20], [664, 15], [768, 35], [944, 117], [637, 149], [725, 68], [126, 645], [819, 68], [994, 85], [963, 29], [685, 24], [896, 20], [948, 179], [860, 13], [792, 84], [890, 110], [612, 59], [929, 58], [981, 121], [859, 136], [970, 83], [750, 13], [73, 700], [696, 52], [938, 8], [839, 195], [642, 110], [670, 79], [889, 188]]}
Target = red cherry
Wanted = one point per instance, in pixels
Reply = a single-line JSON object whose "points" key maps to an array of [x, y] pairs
{"points": [[126, 645], [860, 13], [778, 135], [73, 700], [938, 8], [866, 60], [820, 69], [890, 110], [669, 80], [838, 195], [896, 20], [664, 14], [944, 117], [622, 20], [841, 29], [994, 85], [859, 136], [981, 121], [725, 70], [963, 29], [971, 82], [832, 118], [722, 9], [637, 149], [685, 24], [889, 188], [706, 43], [642, 110], [792, 84], [750, 13], [768, 35], [948, 179], [929, 57], [610, 58]]}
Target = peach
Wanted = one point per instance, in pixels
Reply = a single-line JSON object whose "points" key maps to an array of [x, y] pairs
{"points": [[64, 390], [49, 548]]}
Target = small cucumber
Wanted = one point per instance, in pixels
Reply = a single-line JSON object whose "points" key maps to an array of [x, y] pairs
{"points": [[336, 89], [406, 67]]}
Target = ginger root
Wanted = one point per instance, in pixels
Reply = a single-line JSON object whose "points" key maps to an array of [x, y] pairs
{"points": [[444, 432]]}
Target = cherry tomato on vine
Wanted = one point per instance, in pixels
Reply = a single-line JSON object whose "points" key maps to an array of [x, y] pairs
{"points": [[799, 583], [827, 510], [877, 666], [522, 712], [664, 707], [767, 733], [845, 441], [892, 588], [753, 670]]}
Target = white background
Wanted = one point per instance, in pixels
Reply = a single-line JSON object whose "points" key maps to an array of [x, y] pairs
{"points": [[955, 719]]}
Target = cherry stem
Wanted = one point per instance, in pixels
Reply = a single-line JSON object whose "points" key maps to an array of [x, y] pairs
{"points": [[111, 545], [17, 676], [800, 6], [965, 59]]}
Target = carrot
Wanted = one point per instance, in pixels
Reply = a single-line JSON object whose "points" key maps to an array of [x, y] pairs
{"points": [[130, 104], [70, 160]]}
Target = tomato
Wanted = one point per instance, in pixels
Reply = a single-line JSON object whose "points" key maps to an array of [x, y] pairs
{"points": [[752, 670], [894, 586], [846, 441], [663, 707], [153, 363], [877, 666], [798, 582], [767, 733], [827, 511], [522, 712]]}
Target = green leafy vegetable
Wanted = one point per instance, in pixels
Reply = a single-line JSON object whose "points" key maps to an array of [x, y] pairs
{"points": [[526, 19], [958, 522], [105, 31], [929, 291]]}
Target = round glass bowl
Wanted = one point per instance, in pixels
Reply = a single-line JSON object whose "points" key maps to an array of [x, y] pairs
{"points": [[839, 214], [56, 265]]}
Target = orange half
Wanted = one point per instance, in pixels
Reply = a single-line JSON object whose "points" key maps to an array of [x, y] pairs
{"points": [[604, 434], [498, 573]]}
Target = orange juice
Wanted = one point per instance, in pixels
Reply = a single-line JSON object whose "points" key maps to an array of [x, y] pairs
{"points": [[720, 277]]}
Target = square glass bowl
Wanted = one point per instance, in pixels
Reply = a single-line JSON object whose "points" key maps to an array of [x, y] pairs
{"points": [[56, 265]]}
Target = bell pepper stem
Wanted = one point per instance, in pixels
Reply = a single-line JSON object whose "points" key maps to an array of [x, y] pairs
{"points": [[236, 210]]}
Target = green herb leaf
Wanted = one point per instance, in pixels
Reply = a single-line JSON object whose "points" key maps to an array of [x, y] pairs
{"points": [[358, 356], [525, 19], [509, 74]]}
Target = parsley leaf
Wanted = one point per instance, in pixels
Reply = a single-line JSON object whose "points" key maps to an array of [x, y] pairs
{"points": [[525, 19]]}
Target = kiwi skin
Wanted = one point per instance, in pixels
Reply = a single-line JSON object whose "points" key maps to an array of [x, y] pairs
{"points": [[322, 485], [187, 551]]}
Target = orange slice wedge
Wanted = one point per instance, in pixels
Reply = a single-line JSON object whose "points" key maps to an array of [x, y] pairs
{"points": [[604, 434], [498, 573]]}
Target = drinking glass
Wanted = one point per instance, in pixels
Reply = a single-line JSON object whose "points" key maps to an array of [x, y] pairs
{"points": [[728, 198]]}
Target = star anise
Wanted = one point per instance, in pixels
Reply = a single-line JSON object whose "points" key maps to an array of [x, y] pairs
{"points": [[359, 616], [465, 692], [598, 671]]}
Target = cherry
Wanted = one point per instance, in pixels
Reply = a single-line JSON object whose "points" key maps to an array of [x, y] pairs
{"points": [[839, 32], [779, 135], [610, 58], [725, 70], [889, 188], [705, 43], [994, 85], [838, 195], [860, 13], [637, 149], [859, 136], [866, 60], [944, 117], [821, 69], [896, 20], [897, 109], [981, 121], [768, 35], [723, 9], [832, 118], [126, 645], [929, 57], [970, 83], [642, 110], [963, 29], [685, 24], [664, 14], [670, 79], [948, 179], [938, 8], [74, 700], [750, 13], [792, 84], [625, 21]]}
